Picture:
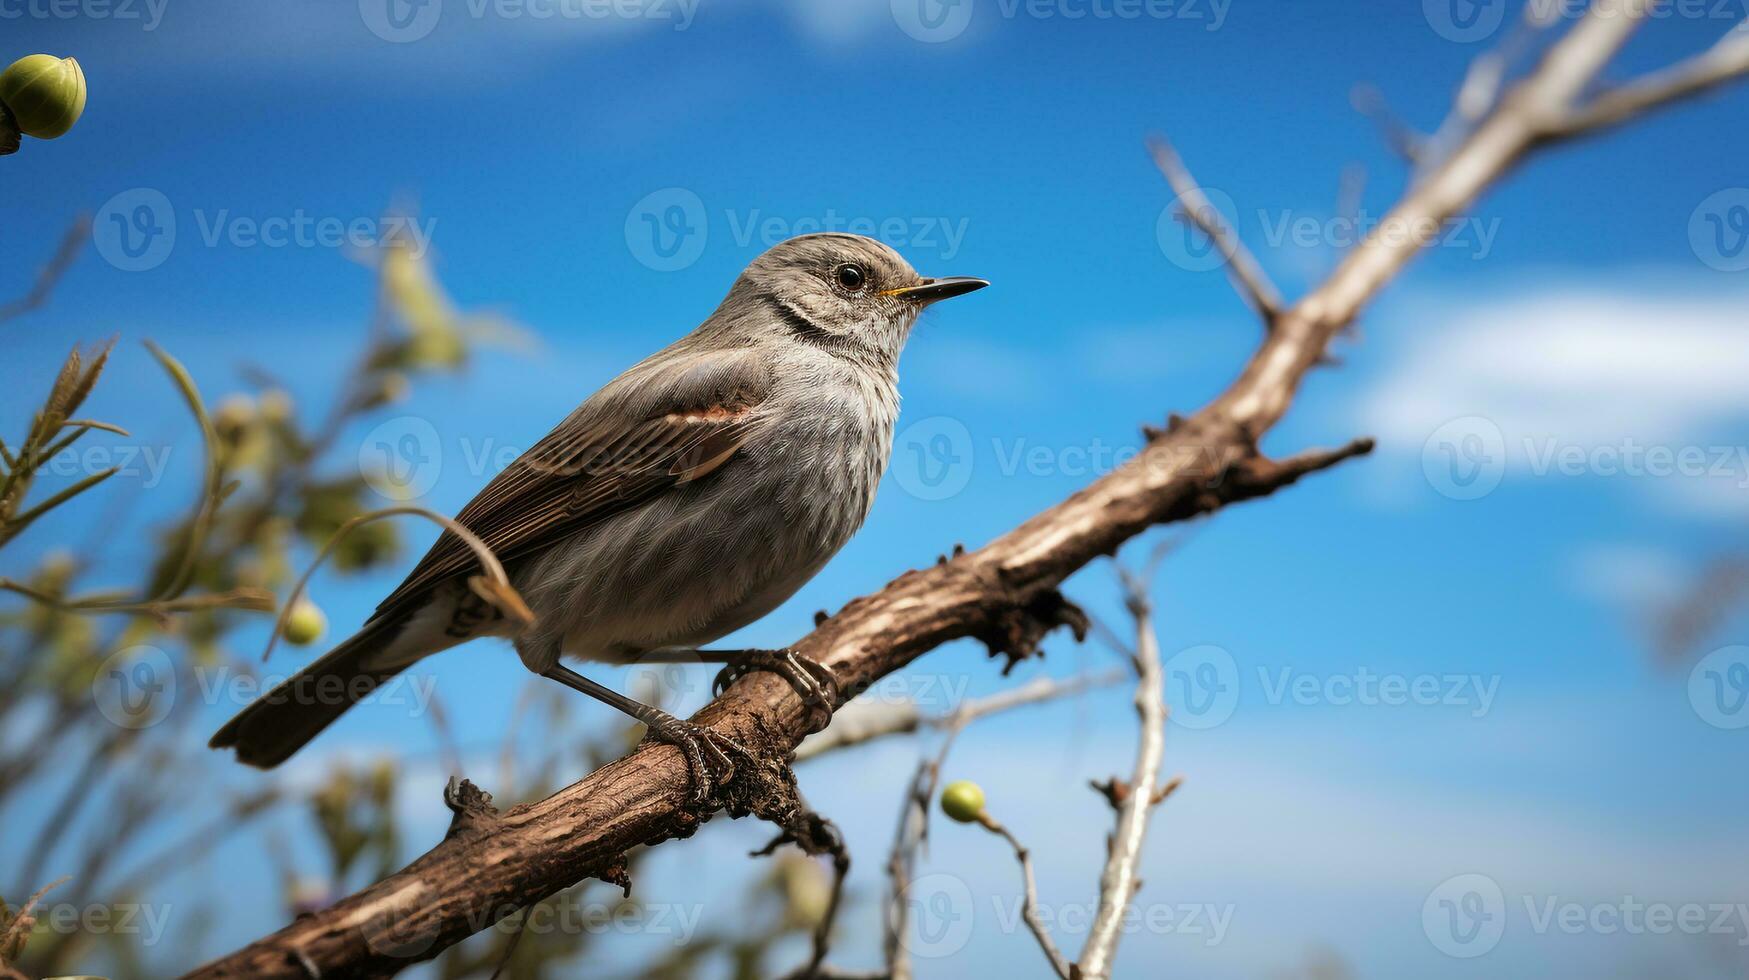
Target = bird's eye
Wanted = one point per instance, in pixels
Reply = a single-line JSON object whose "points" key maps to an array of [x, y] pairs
{"points": [[851, 277]]}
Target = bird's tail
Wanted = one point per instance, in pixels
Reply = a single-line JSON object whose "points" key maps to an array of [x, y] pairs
{"points": [[267, 732]]}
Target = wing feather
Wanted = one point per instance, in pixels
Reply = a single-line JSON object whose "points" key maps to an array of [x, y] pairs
{"points": [[675, 419]]}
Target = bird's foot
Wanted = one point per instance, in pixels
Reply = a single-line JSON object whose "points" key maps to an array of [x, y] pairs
{"points": [[814, 681], [706, 749]]}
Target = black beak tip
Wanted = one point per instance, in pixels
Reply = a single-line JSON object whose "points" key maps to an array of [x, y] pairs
{"points": [[934, 290]]}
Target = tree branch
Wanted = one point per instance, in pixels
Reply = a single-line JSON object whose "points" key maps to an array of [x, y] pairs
{"points": [[1004, 593]]}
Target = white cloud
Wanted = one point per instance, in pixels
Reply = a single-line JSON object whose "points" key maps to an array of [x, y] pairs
{"points": [[1559, 382], [1587, 366]]}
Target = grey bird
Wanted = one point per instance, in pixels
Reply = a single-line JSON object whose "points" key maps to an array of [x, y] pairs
{"points": [[688, 497]]}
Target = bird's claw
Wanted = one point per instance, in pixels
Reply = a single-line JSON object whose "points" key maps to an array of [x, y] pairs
{"points": [[704, 748], [814, 681]]}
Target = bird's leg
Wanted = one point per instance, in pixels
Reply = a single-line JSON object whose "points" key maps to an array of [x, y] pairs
{"points": [[696, 742], [814, 681]]}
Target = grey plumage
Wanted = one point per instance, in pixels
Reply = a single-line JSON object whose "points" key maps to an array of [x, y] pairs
{"points": [[687, 498]]}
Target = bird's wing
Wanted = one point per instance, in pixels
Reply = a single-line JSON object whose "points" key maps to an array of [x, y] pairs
{"points": [[674, 419]]}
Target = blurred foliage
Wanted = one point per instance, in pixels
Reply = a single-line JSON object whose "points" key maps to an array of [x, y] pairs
{"points": [[127, 774], [263, 505]]}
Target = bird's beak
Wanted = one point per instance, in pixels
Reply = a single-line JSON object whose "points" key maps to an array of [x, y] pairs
{"points": [[931, 290]]}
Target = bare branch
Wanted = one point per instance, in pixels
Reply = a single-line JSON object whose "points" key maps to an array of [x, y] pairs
{"points": [[1248, 277]]}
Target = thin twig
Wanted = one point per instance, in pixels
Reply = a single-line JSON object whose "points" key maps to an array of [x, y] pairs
{"points": [[495, 588], [1726, 60], [857, 724], [912, 836], [1120, 879], [1029, 903], [51, 274], [1400, 137], [1248, 277]]}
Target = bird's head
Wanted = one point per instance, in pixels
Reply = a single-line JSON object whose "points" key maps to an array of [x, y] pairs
{"points": [[850, 295]]}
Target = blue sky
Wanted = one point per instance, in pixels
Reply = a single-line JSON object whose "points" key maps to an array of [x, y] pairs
{"points": [[1584, 311]]}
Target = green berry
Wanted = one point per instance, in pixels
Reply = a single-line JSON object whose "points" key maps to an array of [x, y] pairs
{"points": [[963, 801], [306, 624], [45, 94]]}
